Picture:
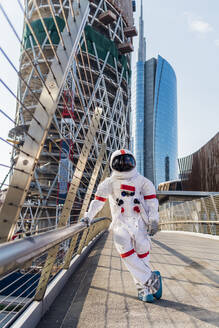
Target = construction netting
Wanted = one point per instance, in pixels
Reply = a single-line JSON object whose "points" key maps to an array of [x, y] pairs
{"points": [[103, 45], [40, 33]]}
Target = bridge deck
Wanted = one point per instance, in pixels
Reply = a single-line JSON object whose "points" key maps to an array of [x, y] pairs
{"points": [[101, 293]]}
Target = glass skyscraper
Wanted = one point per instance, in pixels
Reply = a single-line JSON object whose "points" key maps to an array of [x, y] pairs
{"points": [[160, 121], [155, 116]]}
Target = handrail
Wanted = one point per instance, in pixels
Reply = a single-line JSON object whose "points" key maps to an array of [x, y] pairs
{"points": [[190, 221], [15, 253]]}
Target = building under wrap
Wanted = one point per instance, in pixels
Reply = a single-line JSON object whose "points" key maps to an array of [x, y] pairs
{"points": [[97, 84]]}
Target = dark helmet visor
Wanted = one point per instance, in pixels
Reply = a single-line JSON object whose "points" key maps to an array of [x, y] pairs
{"points": [[123, 163]]}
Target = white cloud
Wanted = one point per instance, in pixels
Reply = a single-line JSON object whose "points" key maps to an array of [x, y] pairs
{"points": [[197, 24], [216, 42], [200, 26]]}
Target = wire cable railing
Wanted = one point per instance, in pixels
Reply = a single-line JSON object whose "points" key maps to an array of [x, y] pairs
{"points": [[198, 215], [22, 264]]}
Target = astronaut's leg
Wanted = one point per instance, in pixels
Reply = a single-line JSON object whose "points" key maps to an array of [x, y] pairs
{"points": [[139, 271], [142, 247], [142, 243]]}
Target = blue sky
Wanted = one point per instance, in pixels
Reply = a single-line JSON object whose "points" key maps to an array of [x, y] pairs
{"points": [[186, 33]]}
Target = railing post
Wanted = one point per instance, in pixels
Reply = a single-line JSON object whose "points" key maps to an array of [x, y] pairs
{"points": [[82, 241], [167, 214], [92, 181], [215, 207], [70, 252], [216, 226], [189, 205], [194, 202], [171, 214], [207, 216], [89, 235], [184, 210], [47, 269]]}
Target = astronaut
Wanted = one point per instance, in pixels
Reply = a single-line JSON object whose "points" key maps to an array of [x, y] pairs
{"points": [[134, 209]]}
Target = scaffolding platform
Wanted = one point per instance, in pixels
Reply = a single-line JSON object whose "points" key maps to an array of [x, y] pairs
{"points": [[107, 17], [130, 31], [125, 48]]}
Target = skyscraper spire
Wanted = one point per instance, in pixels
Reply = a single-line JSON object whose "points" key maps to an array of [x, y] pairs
{"points": [[141, 10], [142, 41]]}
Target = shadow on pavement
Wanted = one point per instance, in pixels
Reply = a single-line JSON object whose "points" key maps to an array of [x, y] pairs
{"points": [[195, 265], [199, 313]]}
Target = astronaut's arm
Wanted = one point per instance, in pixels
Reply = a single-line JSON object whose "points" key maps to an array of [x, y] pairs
{"points": [[151, 201], [99, 201], [96, 206]]}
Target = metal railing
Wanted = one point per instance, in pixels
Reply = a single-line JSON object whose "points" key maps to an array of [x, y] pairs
{"points": [[199, 215], [25, 269]]}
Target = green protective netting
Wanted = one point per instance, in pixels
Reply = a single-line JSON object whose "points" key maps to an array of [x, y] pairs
{"points": [[103, 45], [38, 28]]}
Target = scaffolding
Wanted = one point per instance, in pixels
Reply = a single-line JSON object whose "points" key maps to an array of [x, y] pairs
{"points": [[75, 67]]}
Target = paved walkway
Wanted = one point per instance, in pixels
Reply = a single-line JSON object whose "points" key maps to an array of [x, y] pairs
{"points": [[101, 294]]}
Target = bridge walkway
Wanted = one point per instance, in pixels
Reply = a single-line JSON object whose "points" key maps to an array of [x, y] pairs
{"points": [[101, 294]]}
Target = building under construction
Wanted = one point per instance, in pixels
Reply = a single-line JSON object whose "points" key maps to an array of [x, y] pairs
{"points": [[98, 80]]}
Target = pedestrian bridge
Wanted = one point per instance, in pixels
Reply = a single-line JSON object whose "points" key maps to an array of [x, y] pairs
{"points": [[73, 104], [101, 293], [97, 291]]}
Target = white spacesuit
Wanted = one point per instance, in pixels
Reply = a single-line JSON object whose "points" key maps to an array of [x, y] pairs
{"points": [[134, 209]]}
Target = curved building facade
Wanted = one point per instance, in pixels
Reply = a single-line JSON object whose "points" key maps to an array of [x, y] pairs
{"points": [[200, 170], [160, 121], [165, 123]]}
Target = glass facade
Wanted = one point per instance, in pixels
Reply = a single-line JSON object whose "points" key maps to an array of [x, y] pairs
{"points": [[138, 126], [154, 128], [165, 123], [150, 73]]}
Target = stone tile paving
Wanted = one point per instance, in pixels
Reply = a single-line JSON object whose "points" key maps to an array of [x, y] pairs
{"points": [[101, 294]]}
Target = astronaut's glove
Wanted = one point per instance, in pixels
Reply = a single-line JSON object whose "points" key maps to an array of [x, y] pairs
{"points": [[153, 227], [85, 220]]}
